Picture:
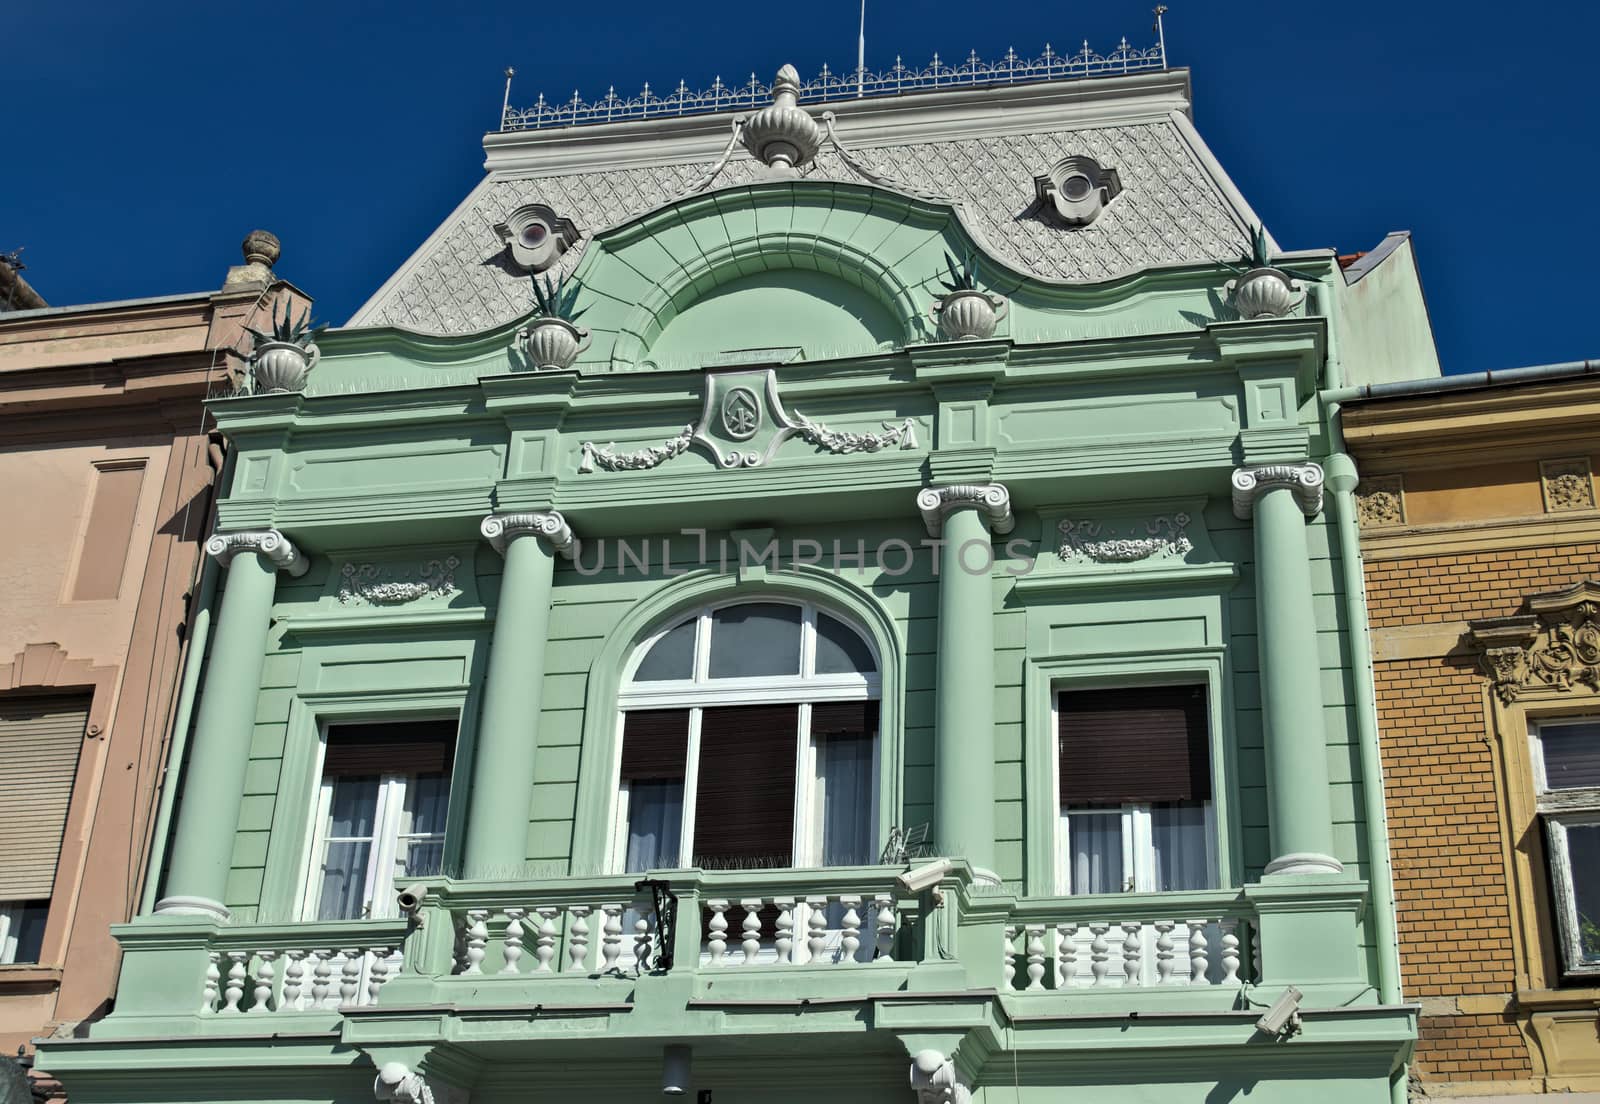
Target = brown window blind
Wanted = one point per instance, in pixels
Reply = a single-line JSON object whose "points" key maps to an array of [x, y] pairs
{"points": [[744, 803], [859, 718], [1143, 743], [655, 744], [410, 747], [40, 740]]}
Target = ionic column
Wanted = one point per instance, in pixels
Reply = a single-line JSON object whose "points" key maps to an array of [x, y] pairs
{"points": [[208, 815], [1280, 497], [508, 732], [963, 517]]}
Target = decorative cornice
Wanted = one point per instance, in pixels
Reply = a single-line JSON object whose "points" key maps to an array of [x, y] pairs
{"points": [[1553, 646], [549, 526], [1165, 537], [935, 503], [270, 544], [935, 1081], [1305, 480]]}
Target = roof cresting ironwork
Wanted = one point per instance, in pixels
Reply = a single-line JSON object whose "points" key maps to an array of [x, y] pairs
{"points": [[830, 86]]}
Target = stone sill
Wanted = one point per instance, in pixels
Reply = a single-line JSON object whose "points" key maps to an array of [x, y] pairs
{"points": [[1576, 997], [29, 975]]}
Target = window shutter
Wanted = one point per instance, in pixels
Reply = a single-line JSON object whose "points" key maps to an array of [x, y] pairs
{"points": [[40, 740], [1136, 744], [744, 805], [410, 748], [655, 744], [859, 718]]}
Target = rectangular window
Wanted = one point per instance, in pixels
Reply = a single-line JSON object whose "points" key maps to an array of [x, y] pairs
{"points": [[22, 931], [113, 508], [1134, 771], [1567, 774], [380, 816], [41, 739]]}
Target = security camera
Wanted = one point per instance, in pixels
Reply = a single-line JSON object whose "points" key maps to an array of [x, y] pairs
{"points": [[1283, 1018], [410, 900], [924, 877]]}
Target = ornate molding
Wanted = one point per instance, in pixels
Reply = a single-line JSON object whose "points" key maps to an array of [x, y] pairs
{"points": [[1165, 538], [270, 544], [935, 1081], [386, 585], [607, 458], [549, 526], [395, 1082], [841, 442], [1567, 484], [935, 503], [1305, 480], [1380, 502], [1554, 646]]}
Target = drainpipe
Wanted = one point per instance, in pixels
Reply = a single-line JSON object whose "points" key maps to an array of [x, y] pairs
{"points": [[205, 598]]}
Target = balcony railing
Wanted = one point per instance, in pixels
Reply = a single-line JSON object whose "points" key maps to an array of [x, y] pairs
{"points": [[309, 968]]}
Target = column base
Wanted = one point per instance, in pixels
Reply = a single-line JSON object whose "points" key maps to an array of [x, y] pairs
{"points": [[1304, 862], [194, 906]]}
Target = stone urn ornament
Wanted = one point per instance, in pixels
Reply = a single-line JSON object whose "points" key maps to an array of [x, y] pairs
{"points": [[282, 359], [552, 339], [783, 136], [965, 313], [1262, 289]]}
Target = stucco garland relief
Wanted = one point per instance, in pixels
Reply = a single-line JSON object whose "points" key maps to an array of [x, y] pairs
{"points": [[1555, 646], [1380, 501], [1164, 538], [381, 584], [1568, 484]]}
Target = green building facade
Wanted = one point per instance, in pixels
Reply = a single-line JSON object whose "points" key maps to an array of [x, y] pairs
{"points": [[901, 633]]}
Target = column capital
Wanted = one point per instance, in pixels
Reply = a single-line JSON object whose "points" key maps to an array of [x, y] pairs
{"points": [[270, 544], [936, 503], [1305, 480], [548, 525]]}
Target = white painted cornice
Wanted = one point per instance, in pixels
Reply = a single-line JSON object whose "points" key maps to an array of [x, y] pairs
{"points": [[936, 503], [270, 544], [1305, 480], [549, 526]]}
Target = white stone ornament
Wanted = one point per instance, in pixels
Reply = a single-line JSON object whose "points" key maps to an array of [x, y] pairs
{"points": [[551, 344], [783, 136], [549, 526], [969, 315], [935, 503], [1165, 538], [1305, 480], [1265, 293], [934, 1080], [395, 1082], [271, 544]]}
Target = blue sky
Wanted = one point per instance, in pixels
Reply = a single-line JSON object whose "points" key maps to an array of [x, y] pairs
{"points": [[142, 142]]}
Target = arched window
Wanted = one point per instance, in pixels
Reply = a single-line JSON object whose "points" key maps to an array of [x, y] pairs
{"points": [[749, 739]]}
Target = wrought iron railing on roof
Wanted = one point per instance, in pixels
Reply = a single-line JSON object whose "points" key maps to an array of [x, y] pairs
{"points": [[830, 86]]}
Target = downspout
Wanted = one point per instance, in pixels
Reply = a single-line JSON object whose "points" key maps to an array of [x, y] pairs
{"points": [[205, 598]]}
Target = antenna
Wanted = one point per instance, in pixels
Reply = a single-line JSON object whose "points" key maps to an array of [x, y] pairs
{"points": [[1159, 29], [505, 104], [861, 54]]}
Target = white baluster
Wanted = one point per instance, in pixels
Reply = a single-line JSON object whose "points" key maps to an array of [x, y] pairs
{"points": [[512, 942], [641, 940], [1035, 945], [1132, 951], [350, 975], [750, 930], [213, 983], [379, 972], [1099, 952], [1165, 954], [717, 931], [477, 940], [1066, 955], [265, 974], [578, 939], [1197, 952], [1230, 952], [1255, 952], [817, 928], [233, 992], [610, 937], [883, 905], [784, 938], [545, 951], [321, 977], [850, 942], [1008, 958], [293, 981]]}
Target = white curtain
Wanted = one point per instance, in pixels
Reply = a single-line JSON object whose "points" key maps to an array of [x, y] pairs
{"points": [[1181, 837], [655, 824], [844, 770], [1094, 842]]}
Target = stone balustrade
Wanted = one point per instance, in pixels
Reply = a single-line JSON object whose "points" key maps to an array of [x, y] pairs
{"points": [[297, 978], [828, 929]]}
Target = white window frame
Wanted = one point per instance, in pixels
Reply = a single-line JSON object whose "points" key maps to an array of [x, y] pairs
{"points": [[700, 692], [10, 922], [1561, 809]]}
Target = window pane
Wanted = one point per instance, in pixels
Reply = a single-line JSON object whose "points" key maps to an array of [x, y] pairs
{"points": [[672, 657], [839, 650], [1094, 842], [423, 858], [427, 801], [1182, 846], [844, 774], [744, 805], [762, 638], [655, 824], [22, 930], [344, 881], [1571, 755], [354, 806], [1583, 852]]}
